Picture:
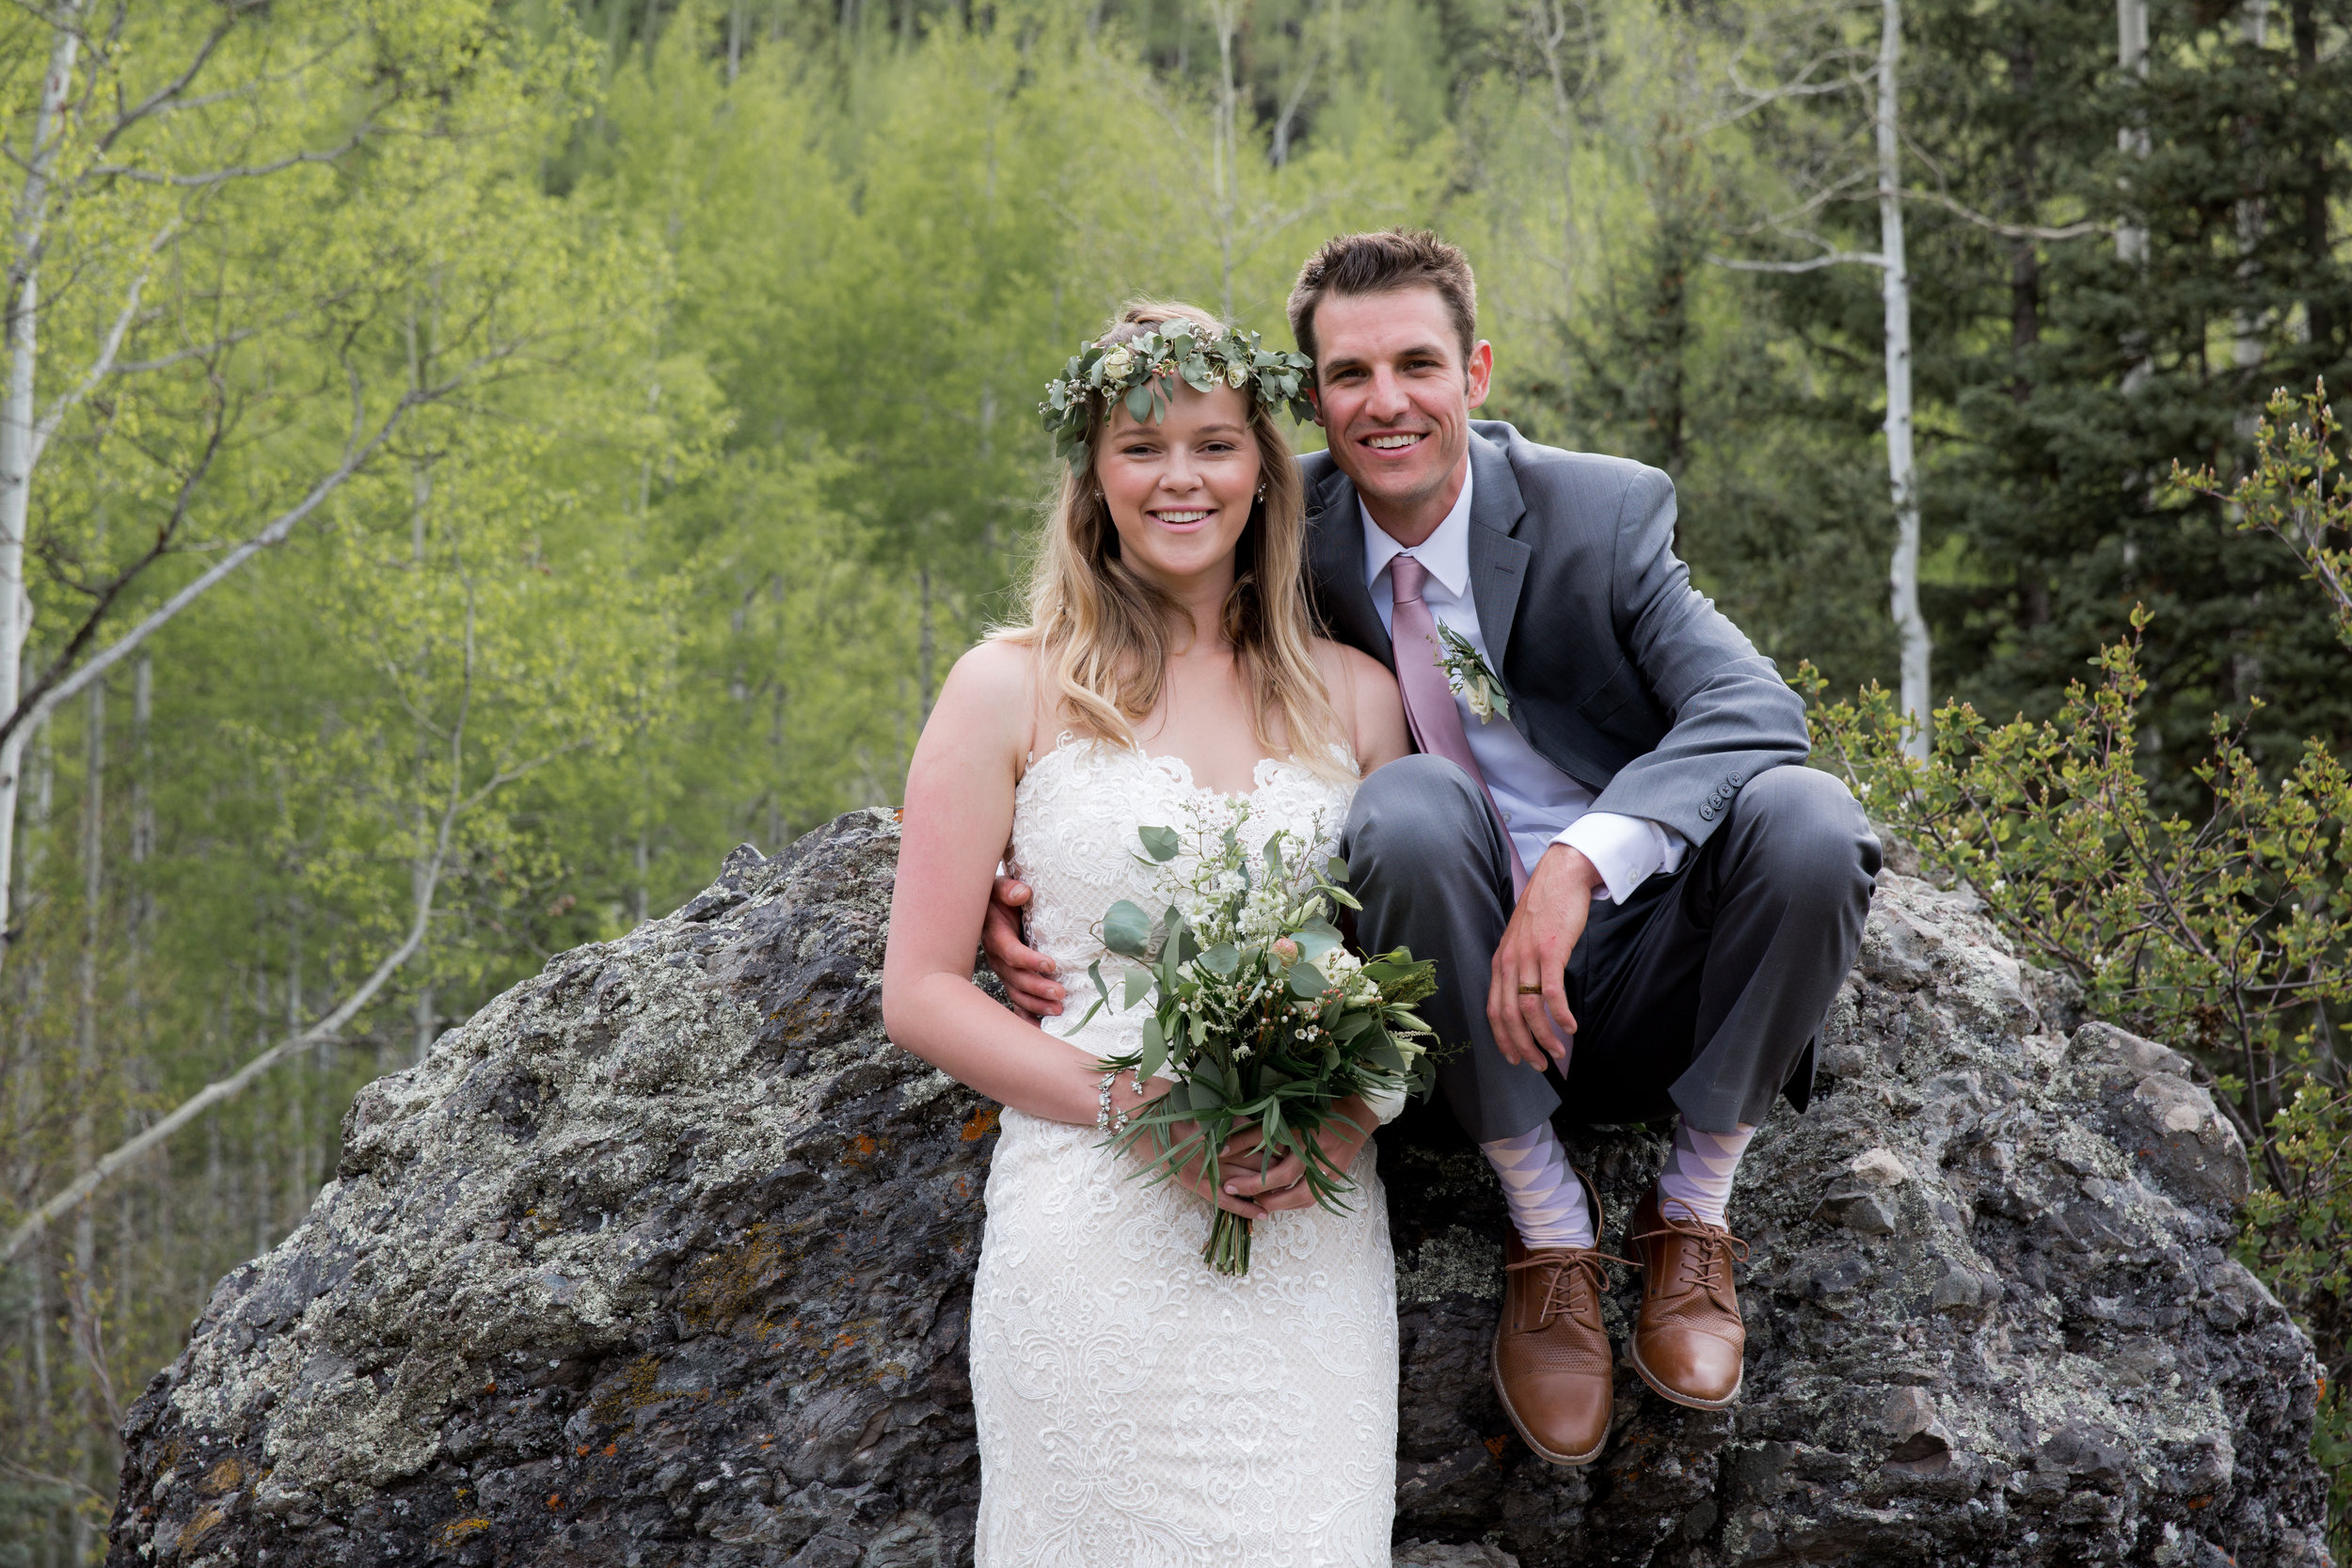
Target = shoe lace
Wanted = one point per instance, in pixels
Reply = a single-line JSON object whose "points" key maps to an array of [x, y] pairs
{"points": [[1569, 1267], [1707, 1265]]}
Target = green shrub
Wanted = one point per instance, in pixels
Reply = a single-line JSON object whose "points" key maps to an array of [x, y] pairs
{"points": [[2228, 936]]}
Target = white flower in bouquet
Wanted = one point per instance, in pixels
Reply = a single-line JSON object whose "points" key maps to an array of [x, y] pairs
{"points": [[1260, 1015]]}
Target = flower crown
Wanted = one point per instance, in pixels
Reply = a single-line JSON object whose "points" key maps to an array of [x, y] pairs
{"points": [[1143, 372]]}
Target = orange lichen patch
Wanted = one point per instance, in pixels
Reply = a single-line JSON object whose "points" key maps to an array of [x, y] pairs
{"points": [[582, 1450], [227, 1476], [862, 1151], [489, 1387], [843, 1341], [984, 1122], [736, 1282], [555, 1500], [207, 1520], [611, 1448], [636, 1390], [1496, 1444], [2202, 1499], [457, 1529]]}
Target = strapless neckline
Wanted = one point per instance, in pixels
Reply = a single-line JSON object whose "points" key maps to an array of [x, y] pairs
{"points": [[1179, 772]]}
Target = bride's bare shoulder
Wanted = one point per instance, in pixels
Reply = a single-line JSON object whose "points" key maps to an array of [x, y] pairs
{"points": [[1345, 668], [987, 697], [1364, 694]]}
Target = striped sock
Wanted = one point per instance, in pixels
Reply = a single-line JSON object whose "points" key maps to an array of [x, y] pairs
{"points": [[1547, 1200], [1698, 1178]]}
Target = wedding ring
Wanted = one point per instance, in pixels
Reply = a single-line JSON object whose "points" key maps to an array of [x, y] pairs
{"points": [[1531, 990]]}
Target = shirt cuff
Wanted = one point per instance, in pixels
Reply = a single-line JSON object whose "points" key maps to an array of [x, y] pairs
{"points": [[1626, 850]]}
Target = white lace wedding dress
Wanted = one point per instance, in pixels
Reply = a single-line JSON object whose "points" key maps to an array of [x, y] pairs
{"points": [[1136, 1410]]}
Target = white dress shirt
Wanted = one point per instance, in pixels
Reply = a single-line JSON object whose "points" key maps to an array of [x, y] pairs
{"points": [[1541, 806]]}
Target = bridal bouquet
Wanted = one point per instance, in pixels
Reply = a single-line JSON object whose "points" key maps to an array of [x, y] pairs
{"points": [[1259, 1017]]}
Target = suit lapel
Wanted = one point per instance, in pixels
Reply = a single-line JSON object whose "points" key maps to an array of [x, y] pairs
{"points": [[1498, 560], [1335, 543]]}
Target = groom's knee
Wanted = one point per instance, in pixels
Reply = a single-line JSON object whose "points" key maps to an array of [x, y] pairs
{"points": [[1420, 816], [1810, 838]]}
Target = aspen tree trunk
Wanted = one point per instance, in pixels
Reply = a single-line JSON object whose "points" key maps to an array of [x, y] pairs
{"points": [[2318, 312], [641, 896], [1550, 26], [1226, 15], [32, 983], [44, 1391], [2131, 239], [927, 650], [80, 1304], [2131, 53], [16, 405], [298, 1086], [1901, 467], [30, 1106], [2245, 321]]}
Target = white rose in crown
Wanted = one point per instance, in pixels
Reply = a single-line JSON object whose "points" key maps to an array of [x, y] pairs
{"points": [[1118, 362], [1237, 376]]}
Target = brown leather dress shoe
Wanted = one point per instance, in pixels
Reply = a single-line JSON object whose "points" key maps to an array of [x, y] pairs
{"points": [[1552, 1367], [1689, 1342]]}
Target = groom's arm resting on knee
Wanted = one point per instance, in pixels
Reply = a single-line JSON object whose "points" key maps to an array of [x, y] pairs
{"points": [[1544, 930]]}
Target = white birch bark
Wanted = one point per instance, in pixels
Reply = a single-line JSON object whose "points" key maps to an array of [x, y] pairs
{"points": [[2247, 347], [1902, 465], [2131, 239], [2131, 53], [16, 405], [1226, 16]]}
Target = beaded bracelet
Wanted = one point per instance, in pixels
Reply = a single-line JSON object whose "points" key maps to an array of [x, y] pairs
{"points": [[1104, 1119]]}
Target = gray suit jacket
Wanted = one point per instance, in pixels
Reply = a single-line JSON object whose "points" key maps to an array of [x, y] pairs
{"points": [[1619, 671]]}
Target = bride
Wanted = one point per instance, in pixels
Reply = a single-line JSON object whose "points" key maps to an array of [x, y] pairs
{"points": [[1136, 1409]]}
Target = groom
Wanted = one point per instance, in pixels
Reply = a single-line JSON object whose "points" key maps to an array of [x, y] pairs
{"points": [[1661, 900], [1639, 901]]}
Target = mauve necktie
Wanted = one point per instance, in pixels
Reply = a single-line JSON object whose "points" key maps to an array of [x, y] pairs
{"points": [[1429, 707]]}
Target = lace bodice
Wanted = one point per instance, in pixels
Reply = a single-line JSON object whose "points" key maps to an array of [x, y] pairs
{"points": [[1074, 818]]}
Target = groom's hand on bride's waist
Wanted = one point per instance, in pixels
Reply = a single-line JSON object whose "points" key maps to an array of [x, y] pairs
{"points": [[1527, 998], [1027, 974]]}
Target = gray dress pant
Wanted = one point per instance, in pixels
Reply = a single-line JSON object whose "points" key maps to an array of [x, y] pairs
{"points": [[1703, 993]]}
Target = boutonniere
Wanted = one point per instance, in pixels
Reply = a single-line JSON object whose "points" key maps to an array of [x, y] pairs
{"points": [[1466, 673]]}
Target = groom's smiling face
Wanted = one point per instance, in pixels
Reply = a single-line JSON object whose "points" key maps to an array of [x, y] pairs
{"points": [[1394, 391]]}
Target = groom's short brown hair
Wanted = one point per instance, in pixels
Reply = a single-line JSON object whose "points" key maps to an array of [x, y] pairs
{"points": [[1378, 262]]}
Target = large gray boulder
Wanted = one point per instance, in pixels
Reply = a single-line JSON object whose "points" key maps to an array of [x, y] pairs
{"points": [[664, 1257]]}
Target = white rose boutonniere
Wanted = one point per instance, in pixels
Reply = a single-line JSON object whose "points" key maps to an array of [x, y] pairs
{"points": [[1466, 673]]}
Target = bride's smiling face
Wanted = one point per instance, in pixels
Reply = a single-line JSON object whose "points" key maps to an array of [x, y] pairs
{"points": [[1180, 488]]}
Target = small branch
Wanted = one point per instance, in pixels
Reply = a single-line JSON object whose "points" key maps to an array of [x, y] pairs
{"points": [[222, 176], [109, 350], [2009, 231], [1834, 258]]}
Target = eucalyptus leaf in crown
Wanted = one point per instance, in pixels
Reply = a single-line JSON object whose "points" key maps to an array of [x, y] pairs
{"points": [[1143, 373]]}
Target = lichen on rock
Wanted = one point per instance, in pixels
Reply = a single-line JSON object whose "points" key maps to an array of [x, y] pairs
{"points": [[665, 1254]]}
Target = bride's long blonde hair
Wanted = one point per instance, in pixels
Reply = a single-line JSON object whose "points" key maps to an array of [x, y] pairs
{"points": [[1103, 635]]}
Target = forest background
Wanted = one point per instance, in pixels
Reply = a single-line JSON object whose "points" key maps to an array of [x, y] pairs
{"points": [[481, 459]]}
